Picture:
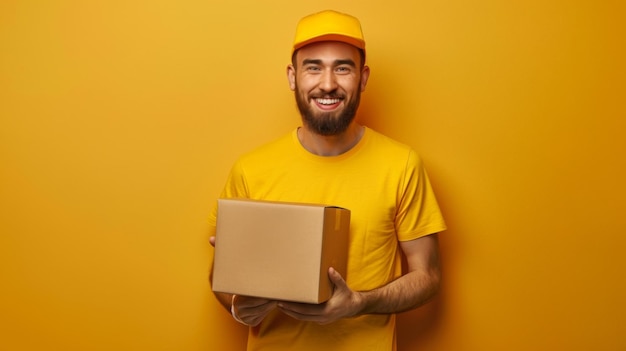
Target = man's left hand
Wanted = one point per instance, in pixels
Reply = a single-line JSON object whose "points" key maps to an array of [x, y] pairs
{"points": [[343, 303]]}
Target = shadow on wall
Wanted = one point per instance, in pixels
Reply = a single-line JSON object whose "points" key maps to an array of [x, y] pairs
{"points": [[368, 115], [418, 327]]}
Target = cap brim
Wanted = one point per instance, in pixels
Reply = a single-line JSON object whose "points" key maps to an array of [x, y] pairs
{"points": [[359, 44]]}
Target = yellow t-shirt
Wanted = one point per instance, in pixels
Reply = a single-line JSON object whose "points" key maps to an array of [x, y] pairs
{"points": [[384, 185]]}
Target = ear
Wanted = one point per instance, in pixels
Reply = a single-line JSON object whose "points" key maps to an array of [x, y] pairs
{"points": [[291, 77], [365, 74]]}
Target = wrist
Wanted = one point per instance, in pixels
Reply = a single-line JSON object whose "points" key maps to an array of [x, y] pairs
{"points": [[360, 301], [233, 311], [367, 301]]}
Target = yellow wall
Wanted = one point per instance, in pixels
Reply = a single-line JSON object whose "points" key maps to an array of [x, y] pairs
{"points": [[120, 119]]}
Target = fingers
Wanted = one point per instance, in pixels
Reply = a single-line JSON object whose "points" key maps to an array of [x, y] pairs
{"points": [[260, 312], [342, 304], [251, 310], [310, 313], [251, 302], [301, 309]]}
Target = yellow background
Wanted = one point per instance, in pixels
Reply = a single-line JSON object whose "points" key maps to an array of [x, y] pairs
{"points": [[120, 120]]}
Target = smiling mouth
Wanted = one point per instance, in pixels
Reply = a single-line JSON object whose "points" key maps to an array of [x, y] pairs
{"points": [[327, 102]]}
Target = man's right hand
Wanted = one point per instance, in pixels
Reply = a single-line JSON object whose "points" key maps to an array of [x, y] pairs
{"points": [[251, 310]]}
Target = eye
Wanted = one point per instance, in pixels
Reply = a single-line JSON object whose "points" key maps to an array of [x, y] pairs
{"points": [[343, 69], [312, 68]]}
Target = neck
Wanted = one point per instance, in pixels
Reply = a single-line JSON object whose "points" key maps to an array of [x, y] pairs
{"points": [[331, 145]]}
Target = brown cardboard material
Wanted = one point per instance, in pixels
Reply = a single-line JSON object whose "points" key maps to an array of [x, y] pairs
{"points": [[279, 251]]}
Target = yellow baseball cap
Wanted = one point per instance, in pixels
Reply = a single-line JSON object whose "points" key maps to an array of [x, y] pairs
{"points": [[329, 26]]}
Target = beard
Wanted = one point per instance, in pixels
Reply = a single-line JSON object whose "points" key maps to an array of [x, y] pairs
{"points": [[327, 123]]}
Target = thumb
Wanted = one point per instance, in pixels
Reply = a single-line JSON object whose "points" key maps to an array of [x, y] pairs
{"points": [[212, 241], [337, 279]]}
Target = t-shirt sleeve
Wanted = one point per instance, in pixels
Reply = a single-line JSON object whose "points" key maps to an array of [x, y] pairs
{"points": [[235, 187], [418, 212]]}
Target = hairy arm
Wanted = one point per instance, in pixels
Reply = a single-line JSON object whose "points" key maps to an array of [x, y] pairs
{"points": [[416, 287]]}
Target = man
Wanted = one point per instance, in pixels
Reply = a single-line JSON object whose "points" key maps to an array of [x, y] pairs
{"points": [[333, 160]]}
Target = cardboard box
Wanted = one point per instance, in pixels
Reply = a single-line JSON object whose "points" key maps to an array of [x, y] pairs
{"points": [[279, 251]]}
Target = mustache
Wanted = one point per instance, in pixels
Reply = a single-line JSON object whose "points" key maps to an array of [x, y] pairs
{"points": [[331, 95]]}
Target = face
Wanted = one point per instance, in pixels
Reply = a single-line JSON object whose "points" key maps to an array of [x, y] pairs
{"points": [[327, 79]]}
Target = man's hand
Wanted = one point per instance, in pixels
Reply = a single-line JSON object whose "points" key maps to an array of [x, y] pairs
{"points": [[251, 310], [343, 303]]}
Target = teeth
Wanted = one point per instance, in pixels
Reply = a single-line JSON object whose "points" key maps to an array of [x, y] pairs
{"points": [[328, 101]]}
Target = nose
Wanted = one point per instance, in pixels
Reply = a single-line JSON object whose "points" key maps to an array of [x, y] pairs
{"points": [[328, 81]]}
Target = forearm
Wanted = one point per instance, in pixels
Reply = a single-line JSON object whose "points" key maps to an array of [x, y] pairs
{"points": [[405, 293]]}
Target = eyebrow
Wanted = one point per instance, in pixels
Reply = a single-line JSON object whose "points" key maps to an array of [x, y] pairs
{"points": [[337, 62]]}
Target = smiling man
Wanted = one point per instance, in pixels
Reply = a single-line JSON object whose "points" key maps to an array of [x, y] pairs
{"points": [[332, 159], [328, 78]]}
